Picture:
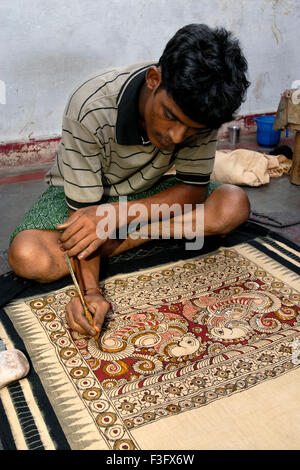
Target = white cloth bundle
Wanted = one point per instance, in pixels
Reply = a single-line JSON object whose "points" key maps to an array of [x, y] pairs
{"points": [[247, 167]]}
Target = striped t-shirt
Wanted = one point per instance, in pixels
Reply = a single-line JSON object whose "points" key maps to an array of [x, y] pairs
{"points": [[102, 152]]}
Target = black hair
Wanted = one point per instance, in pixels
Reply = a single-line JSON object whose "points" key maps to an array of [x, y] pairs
{"points": [[204, 72]]}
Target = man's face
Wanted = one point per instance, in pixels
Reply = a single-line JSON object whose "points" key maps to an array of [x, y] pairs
{"points": [[165, 124]]}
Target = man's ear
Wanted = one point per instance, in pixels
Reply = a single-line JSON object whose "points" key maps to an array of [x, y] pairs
{"points": [[153, 78]]}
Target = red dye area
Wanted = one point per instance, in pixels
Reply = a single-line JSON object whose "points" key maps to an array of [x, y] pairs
{"points": [[177, 316]]}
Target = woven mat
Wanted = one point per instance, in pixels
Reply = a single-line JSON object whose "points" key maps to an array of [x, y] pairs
{"points": [[202, 353]]}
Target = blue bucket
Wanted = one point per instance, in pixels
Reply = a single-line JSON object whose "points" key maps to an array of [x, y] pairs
{"points": [[266, 135]]}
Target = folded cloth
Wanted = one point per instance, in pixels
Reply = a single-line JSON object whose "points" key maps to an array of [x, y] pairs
{"points": [[276, 219], [247, 167], [278, 166]]}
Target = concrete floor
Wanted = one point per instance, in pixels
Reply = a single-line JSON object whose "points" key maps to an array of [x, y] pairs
{"points": [[15, 200]]}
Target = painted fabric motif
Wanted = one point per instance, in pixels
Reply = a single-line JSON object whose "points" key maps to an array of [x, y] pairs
{"points": [[180, 337]]}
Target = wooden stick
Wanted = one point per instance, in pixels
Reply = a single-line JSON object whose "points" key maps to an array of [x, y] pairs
{"points": [[295, 170], [78, 273]]}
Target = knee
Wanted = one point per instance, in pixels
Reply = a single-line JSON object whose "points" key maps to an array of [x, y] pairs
{"points": [[239, 203], [234, 209], [27, 258]]}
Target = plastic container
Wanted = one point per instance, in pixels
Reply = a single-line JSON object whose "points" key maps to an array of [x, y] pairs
{"points": [[266, 135]]}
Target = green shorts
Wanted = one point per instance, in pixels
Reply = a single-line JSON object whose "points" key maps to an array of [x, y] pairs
{"points": [[51, 208]]}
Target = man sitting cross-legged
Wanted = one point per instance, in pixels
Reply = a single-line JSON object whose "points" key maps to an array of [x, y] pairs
{"points": [[122, 130]]}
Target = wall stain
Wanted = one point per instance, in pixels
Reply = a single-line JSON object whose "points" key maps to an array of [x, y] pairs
{"points": [[275, 30], [262, 81], [29, 122], [280, 8]]}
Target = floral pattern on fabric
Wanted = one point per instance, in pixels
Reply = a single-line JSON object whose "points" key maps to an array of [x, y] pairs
{"points": [[179, 338]]}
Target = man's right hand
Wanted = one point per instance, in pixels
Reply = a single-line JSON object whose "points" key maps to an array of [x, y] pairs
{"points": [[76, 319]]}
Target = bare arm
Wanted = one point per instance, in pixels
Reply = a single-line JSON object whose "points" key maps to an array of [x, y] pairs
{"points": [[87, 273], [80, 238]]}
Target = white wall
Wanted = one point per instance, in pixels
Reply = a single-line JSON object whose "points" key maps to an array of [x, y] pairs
{"points": [[48, 46]]}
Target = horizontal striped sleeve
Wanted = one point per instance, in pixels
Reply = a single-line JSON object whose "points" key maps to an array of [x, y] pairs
{"points": [[194, 163], [191, 178], [79, 159]]}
